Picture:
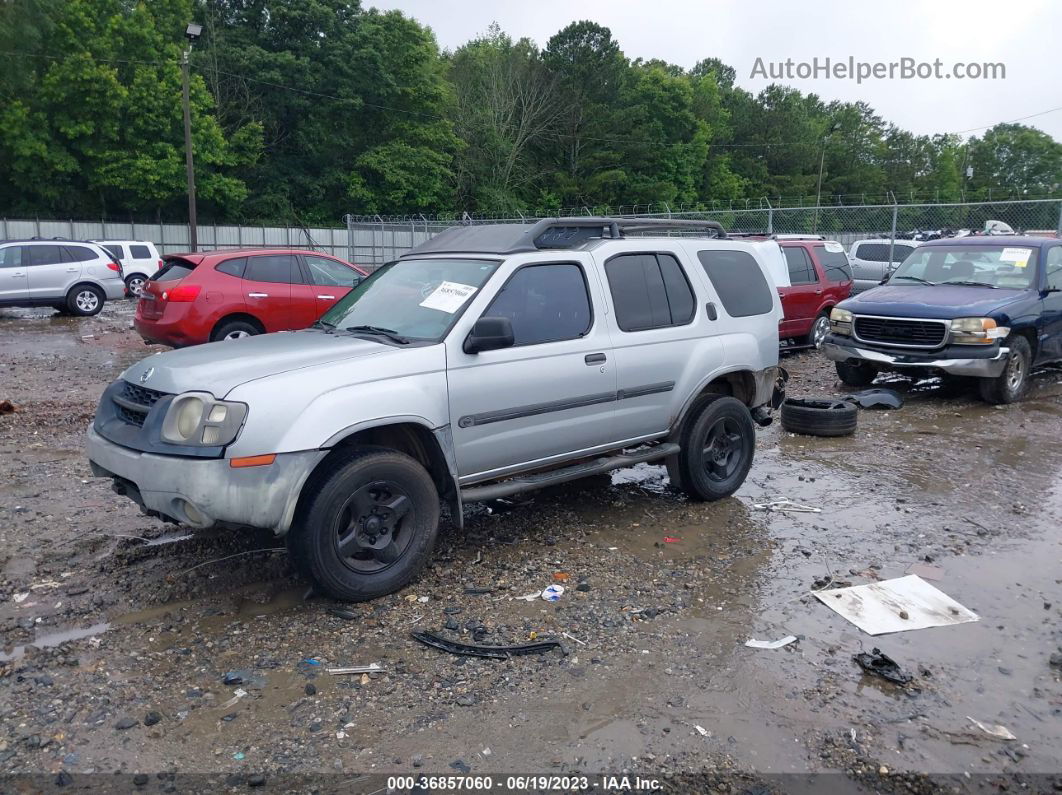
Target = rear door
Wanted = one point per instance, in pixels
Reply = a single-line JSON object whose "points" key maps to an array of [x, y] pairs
{"points": [[141, 260], [869, 259], [50, 272], [800, 301], [14, 282], [1051, 330], [267, 289], [331, 280]]}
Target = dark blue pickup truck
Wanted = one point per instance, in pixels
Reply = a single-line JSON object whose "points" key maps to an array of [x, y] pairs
{"points": [[988, 307]]}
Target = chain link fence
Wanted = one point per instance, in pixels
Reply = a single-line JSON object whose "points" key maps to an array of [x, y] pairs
{"points": [[375, 240]]}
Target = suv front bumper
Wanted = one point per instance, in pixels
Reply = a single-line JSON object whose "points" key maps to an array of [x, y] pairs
{"points": [[986, 362], [204, 492]]}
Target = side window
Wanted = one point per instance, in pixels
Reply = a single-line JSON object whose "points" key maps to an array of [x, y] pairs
{"points": [[79, 254], [801, 271], [1053, 267], [546, 303], [739, 282], [279, 268], [649, 291], [11, 257], [114, 250], [233, 267], [871, 252], [328, 272], [140, 252], [834, 263], [45, 255]]}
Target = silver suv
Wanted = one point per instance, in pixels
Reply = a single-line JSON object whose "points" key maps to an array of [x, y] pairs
{"points": [[489, 361], [73, 276]]}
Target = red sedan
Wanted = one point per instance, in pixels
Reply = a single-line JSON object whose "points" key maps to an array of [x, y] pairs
{"points": [[222, 295]]}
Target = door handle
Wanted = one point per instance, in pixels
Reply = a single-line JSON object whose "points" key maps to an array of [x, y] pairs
{"points": [[16, 275], [329, 297], [257, 295], [713, 313], [818, 292], [595, 358], [72, 270]]}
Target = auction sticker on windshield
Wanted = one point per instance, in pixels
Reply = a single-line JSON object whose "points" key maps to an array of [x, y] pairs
{"points": [[448, 297], [834, 247], [1019, 256]]}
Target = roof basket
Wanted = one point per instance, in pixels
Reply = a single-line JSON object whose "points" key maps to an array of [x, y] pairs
{"points": [[552, 233]]}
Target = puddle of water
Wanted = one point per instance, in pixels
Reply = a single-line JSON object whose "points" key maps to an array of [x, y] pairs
{"points": [[54, 639]]}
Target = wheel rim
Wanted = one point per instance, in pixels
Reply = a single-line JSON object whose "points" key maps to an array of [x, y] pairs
{"points": [[822, 328], [136, 286], [1015, 371], [236, 335], [723, 449], [87, 301], [372, 529]]}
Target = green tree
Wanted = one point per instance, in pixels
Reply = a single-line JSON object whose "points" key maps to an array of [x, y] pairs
{"points": [[1019, 158]]}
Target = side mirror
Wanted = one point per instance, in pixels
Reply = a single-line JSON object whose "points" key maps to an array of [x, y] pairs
{"points": [[355, 281], [489, 334]]}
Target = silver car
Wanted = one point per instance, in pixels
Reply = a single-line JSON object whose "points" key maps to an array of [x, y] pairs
{"points": [[73, 276], [871, 262], [490, 360]]}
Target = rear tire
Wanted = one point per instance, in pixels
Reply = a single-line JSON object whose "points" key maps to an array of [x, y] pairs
{"points": [[718, 445], [368, 524], [235, 329], [819, 416], [1012, 384], [85, 300], [856, 374], [134, 284]]}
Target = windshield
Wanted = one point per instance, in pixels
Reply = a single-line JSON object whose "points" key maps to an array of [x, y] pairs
{"points": [[1012, 267], [417, 299]]}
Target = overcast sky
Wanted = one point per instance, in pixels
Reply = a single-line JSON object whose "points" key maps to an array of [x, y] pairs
{"points": [[1017, 34]]}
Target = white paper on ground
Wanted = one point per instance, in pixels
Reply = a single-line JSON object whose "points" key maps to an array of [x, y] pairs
{"points": [[994, 729], [448, 297], [876, 608], [771, 644]]}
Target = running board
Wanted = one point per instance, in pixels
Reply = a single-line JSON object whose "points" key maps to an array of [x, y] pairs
{"points": [[598, 466]]}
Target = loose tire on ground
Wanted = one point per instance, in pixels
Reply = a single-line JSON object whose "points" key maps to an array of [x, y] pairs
{"points": [[85, 300], [718, 443], [1012, 384], [235, 329], [819, 416], [377, 504], [856, 374]]}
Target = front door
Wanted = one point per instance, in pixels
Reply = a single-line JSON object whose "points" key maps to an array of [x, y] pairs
{"points": [[549, 396], [14, 284], [331, 280], [50, 272]]}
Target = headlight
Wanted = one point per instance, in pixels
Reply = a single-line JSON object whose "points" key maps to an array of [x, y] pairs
{"points": [[976, 331], [197, 418], [840, 321]]}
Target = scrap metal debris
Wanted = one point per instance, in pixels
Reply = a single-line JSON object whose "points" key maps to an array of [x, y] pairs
{"points": [[371, 668], [786, 506], [880, 664], [879, 397], [490, 652], [771, 644], [895, 605]]}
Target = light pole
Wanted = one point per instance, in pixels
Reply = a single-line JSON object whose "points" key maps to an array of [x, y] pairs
{"points": [[818, 190], [192, 32]]}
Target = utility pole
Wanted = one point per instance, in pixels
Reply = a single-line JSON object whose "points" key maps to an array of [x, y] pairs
{"points": [[192, 32], [818, 190]]}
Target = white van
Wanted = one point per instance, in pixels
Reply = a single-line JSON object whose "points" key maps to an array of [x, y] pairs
{"points": [[140, 259]]}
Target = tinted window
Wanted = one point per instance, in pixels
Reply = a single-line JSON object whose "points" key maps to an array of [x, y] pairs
{"points": [[900, 253], [173, 270], [114, 250], [801, 271], [1053, 265], [546, 303], [233, 267], [80, 254], [649, 291], [45, 255], [738, 281], [835, 263], [330, 273], [279, 268], [11, 257], [873, 252], [140, 252]]}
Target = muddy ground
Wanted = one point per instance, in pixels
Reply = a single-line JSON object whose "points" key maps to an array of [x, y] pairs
{"points": [[118, 630]]}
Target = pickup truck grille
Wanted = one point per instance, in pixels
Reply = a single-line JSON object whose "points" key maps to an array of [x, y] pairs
{"points": [[896, 331], [133, 403]]}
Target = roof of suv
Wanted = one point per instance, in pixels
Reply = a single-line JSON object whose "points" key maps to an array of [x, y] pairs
{"points": [[990, 240]]}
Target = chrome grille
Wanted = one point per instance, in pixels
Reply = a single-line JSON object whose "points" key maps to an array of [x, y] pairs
{"points": [[901, 331]]}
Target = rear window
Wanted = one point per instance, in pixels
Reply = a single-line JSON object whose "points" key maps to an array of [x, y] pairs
{"points": [[738, 281], [834, 262], [140, 252], [872, 252], [173, 270], [233, 267]]}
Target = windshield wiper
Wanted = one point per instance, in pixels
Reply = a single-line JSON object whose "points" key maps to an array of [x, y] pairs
{"points": [[391, 334], [968, 283], [918, 279], [324, 324]]}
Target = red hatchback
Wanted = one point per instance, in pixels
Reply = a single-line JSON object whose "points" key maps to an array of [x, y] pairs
{"points": [[820, 278], [220, 295]]}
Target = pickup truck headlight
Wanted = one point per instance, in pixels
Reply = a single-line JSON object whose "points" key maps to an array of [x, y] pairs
{"points": [[976, 331], [840, 321], [197, 418]]}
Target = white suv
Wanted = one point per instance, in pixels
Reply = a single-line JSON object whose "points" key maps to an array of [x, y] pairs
{"points": [[140, 260], [73, 276]]}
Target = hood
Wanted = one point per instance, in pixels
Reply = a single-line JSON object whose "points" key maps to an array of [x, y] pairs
{"points": [[944, 301], [219, 367]]}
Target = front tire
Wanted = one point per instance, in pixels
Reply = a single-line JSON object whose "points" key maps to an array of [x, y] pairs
{"points": [[85, 300], [819, 329], [856, 374], [718, 445], [1012, 384], [368, 524]]}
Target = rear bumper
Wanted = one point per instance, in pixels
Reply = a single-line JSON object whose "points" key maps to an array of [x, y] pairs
{"points": [[175, 333], [113, 288], [954, 359], [201, 493]]}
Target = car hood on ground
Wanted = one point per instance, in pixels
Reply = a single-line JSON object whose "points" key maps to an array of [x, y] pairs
{"points": [[945, 301], [219, 367]]}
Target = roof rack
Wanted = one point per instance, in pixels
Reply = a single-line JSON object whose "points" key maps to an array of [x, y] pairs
{"points": [[550, 233], [777, 236]]}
